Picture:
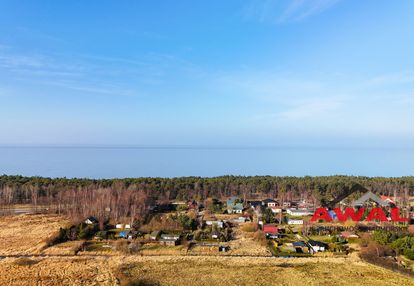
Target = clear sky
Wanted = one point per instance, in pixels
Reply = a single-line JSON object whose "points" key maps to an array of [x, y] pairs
{"points": [[249, 73]]}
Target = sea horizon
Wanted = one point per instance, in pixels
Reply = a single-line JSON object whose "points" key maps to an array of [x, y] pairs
{"points": [[127, 161]]}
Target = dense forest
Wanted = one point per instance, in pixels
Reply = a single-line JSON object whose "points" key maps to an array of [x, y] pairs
{"points": [[131, 197]]}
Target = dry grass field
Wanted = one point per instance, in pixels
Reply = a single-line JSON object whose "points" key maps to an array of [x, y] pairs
{"points": [[244, 244], [256, 271], [24, 235], [57, 271]]}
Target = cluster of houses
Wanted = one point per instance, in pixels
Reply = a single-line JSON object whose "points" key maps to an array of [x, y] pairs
{"points": [[294, 211], [310, 246]]}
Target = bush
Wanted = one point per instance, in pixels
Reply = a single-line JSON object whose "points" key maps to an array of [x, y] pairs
{"points": [[25, 261], [134, 247], [57, 237], [409, 253], [121, 246]]}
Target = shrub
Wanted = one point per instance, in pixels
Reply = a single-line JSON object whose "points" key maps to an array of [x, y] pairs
{"points": [[121, 246], [409, 253], [134, 247], [57, 237], [25, 261]]}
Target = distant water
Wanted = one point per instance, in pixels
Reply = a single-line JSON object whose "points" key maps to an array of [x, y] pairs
{"points": [[111, 162]]}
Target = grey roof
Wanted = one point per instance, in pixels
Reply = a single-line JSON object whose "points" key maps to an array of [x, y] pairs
{"points": [[232, 200], [299, 244], [369, 196], [170, 236], [238, 206], [317, 243]]}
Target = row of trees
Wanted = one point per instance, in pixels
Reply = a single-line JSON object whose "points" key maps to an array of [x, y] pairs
{"points": [[130, 197]]}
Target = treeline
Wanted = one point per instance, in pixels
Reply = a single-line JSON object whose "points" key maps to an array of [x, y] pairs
{"points": [[131, 197]]}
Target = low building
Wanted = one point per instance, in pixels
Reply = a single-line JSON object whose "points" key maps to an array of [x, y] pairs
{"points": [[270, 203], [317, 246], [275, 235], [219, 223], [170, 236], [234, 205], [301, 247], [270, 229], [170, 239], [169, 242], [276, 210], [237, 208], [295, 221], [348, 234], [299, 212]]}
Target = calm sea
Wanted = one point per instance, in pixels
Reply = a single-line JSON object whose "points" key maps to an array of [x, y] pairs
{"points": [[111, 162]]}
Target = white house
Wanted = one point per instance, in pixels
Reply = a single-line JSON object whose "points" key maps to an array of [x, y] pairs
{"points": [[270, 203], [295, 221], [317, 246], [219, 223], [299, 212], [276, 210]]}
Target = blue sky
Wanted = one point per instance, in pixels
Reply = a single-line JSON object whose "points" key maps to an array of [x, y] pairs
{"points": [[270, 72]]}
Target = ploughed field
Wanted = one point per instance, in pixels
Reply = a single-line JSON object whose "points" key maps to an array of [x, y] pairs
{"points": [[27, 261]]}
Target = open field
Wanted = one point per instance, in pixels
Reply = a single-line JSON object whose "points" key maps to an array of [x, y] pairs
{"points": [[56, 271], [243, 244], [26, 238], [256, 271], [25, 234]]}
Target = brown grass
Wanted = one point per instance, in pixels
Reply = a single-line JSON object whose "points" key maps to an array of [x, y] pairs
{"points": [[256, 271], [27, 234], [56, 271]]}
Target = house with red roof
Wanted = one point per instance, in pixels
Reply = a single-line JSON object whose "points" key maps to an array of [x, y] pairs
{"points": [[270, 229]]}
